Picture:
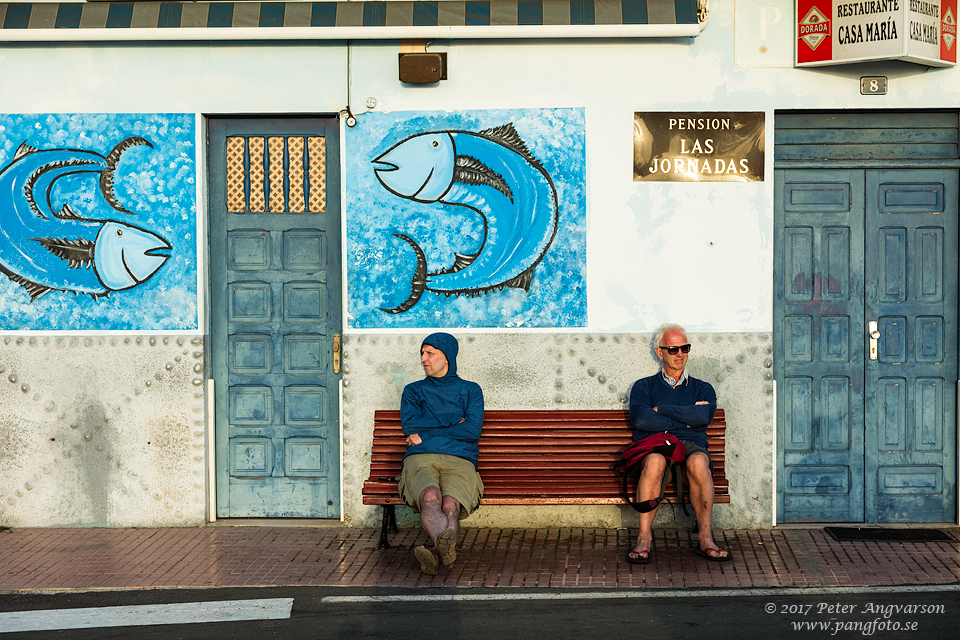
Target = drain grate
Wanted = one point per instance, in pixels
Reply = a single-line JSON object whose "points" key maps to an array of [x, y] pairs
{"points": [[876, 534]]}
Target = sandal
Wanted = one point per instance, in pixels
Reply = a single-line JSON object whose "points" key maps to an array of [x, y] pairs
{"points": [[634, 557], [706, 554]]}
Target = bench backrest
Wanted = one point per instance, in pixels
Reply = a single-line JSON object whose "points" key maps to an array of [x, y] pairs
{"points": [[538, 457]]}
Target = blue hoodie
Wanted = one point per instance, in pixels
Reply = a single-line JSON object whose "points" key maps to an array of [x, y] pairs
{"points": [[446, 412]]}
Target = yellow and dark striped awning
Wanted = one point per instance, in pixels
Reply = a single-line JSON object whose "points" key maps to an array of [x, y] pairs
{"points": [[81, 21]]}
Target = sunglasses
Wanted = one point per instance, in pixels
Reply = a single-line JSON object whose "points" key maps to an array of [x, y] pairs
{"points": [[673, 350]]}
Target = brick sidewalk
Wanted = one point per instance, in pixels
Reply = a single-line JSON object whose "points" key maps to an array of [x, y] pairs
{"points": [[225, 556]]}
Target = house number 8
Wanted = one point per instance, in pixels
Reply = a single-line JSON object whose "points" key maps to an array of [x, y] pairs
{"points": [[873, 85]]}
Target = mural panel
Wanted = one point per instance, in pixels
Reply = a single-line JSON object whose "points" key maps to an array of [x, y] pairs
{"points": [[98, 222], [467, 219]]}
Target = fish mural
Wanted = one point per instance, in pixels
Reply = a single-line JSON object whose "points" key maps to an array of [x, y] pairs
{"points": [[45, 247], [492, 173]]}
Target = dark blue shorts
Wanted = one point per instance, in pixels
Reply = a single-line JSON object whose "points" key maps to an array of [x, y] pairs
{"points": [[695, 448]]}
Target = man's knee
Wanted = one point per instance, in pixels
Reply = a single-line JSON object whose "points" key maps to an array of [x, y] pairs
{"points": [[655, 464], [430, 496], [698, 468], [450, 505]]}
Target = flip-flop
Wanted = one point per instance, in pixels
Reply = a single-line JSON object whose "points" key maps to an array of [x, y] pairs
{"points": [[429, 562], [639, 559], [706, 554], [447, 546]]}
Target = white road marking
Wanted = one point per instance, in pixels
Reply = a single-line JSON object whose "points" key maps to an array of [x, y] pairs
{"points": [[147, 614], [636, 593]]}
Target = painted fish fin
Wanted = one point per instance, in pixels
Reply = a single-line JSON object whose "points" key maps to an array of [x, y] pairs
{"points": [[67, 213], [506, 135], [469, 170], [106, 176], [35, 290], [522, 281], [23, 150], [460, 262], [78, 253], [419, 282]]}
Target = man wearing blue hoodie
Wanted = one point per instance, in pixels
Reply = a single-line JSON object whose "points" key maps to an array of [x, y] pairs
{"points": [[442, 416]]}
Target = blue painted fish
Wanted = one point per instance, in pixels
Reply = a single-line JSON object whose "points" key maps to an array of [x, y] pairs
{"points": [[493, 173], [46, 249]]}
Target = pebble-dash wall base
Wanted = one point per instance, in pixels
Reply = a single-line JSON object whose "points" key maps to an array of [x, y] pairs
{"points": [[102, 431], [570, 371]]}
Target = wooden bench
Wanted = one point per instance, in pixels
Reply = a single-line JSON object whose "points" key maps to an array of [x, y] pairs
{"points": [[533, 458]]}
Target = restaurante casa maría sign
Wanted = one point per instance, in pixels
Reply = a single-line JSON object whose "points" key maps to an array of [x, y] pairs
{"points": [[839, 31]]}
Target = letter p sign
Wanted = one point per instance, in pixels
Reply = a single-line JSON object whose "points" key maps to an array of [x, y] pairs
{"points": [[768, 15]]}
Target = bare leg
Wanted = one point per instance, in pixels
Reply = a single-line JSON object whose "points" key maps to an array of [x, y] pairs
{"points": [[433, 520], [700, 481], [451, 509], [447, 541], [648, 488]]}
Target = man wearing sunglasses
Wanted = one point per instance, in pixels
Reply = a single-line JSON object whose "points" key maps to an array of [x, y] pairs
{"points": [[674, 402]]}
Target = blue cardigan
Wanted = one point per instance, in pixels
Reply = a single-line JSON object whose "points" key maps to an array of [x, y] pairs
{"points": [[676, 412]]}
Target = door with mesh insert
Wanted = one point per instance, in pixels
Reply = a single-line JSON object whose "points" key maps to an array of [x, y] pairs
{"points": [[275, 315]]}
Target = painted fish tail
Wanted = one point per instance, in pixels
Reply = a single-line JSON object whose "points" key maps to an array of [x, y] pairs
{"points": [[106, 176], [419, 282]]}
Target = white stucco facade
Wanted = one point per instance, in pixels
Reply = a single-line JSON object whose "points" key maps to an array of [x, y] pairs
{"points": [[113, 429]]}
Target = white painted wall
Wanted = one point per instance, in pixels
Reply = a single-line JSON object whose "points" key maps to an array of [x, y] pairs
{"points": [[700, 254]]}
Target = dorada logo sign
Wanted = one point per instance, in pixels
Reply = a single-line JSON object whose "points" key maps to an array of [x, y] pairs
{"points": [[948, 28], [814, 28]]}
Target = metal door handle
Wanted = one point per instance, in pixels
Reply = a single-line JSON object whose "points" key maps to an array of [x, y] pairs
{"points": [[336, 352], [874, 336]]}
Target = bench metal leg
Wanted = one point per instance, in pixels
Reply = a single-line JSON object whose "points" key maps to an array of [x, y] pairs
{"points": [[389, 524]]}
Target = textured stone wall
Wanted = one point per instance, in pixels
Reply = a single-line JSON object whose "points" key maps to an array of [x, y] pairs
{"points": [[102, 431], [569, 371], [111, 430]]}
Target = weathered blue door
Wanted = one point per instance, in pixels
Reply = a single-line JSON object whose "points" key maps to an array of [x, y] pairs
{"points": [[911, 382], [275, 315], [866, 413], [818, 350]]}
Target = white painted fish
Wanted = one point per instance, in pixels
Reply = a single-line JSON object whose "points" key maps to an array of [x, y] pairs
{"points": [[46, 250], [493, 173]]}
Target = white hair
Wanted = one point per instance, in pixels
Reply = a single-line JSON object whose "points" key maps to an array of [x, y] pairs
{"points": [[664, 328]]}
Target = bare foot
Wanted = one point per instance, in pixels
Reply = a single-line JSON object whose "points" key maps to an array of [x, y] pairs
{"points": [[639, 555], [713, 552]]}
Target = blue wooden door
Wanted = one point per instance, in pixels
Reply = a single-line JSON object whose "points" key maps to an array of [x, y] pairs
{"points": [[818, 350], [911, 383], [275, 315], [866, 436]]}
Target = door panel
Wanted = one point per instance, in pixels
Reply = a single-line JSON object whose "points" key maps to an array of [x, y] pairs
{"points": [[861, 438], [275, 292], [911, 215], [819, 352]]}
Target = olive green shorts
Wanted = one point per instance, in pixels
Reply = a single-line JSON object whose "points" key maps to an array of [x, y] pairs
{"points": [[456, 477]]}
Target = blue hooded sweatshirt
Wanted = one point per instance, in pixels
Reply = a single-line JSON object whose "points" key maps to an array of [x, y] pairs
{"points": [[446, 412]]}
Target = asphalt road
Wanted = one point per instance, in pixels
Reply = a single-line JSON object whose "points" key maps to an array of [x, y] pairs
{"points": [[482, 614]]}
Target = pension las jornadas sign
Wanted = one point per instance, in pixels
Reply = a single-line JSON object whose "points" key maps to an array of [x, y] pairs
{"points": [[702, 146], [839, 31]]}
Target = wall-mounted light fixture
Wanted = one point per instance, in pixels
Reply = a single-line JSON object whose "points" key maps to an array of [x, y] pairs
{"points": [[423, 67]]}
